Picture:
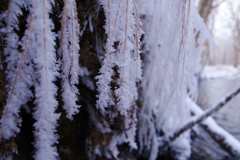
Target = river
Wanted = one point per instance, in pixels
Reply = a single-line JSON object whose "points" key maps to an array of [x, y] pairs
{"points": [[211, 91]]}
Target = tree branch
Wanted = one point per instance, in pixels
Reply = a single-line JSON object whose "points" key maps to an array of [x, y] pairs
{"points": [[165, 141], [224, 139]]}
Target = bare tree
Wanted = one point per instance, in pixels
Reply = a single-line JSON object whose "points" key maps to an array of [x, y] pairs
{"points": [[207, 9], [235, 9]]}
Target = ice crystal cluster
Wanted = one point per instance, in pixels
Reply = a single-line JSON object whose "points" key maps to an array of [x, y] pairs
{"points": [[149, 65]]}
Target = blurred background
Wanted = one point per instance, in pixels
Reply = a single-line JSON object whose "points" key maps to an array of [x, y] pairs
{"points": [[222, 19], [220, 73]]}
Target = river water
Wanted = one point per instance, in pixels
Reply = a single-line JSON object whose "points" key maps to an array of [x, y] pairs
{"points": [[211, 91]]}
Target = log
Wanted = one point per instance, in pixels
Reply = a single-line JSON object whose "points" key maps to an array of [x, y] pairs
{"points": [[167, 139], [223, 138]]}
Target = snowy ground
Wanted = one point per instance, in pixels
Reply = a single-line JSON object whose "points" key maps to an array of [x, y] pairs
{"points": [[220, 71]]}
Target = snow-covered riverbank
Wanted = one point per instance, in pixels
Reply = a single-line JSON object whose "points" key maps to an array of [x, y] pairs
{"points": [[220, 71]]}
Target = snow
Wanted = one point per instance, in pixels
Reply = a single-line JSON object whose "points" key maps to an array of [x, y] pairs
{"points": [[228, 138], [19, 73], [42, 47], [123, 26], [123, 30], [70, 57], [170, 73], [219, 71], [170, 51]]}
